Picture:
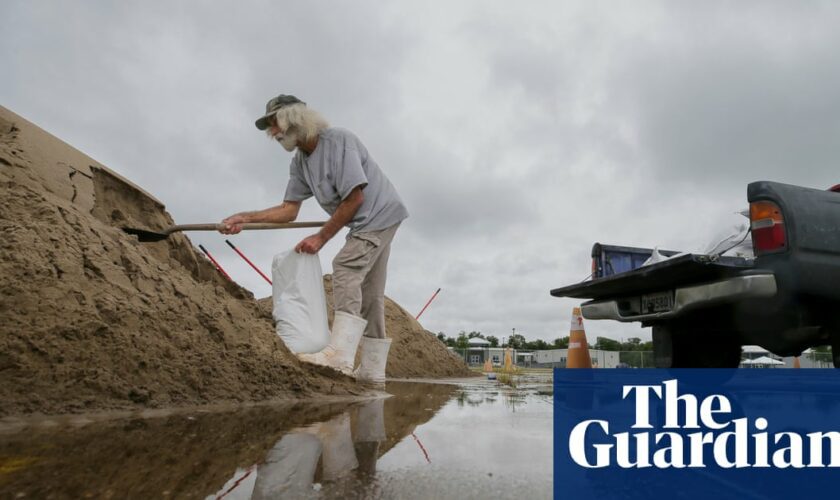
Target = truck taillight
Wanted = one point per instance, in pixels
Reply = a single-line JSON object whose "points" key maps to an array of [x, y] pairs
{"points": [[768, 227]]}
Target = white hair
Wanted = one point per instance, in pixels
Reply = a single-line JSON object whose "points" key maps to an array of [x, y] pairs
{"points": [[305, 122]]}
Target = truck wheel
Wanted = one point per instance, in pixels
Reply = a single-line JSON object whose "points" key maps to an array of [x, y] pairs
{"points": [[678, 346], [835, 348], [663, 347]]}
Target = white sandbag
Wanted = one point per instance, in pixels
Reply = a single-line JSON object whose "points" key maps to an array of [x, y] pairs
{"points": [[300, 306], [733, 239], [655, 258]]}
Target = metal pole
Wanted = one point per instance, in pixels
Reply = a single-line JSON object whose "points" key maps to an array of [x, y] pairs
{"points": [[427, 304], [214, 262], [248, 261]]}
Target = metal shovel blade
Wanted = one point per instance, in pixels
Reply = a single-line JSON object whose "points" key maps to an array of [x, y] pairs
{"points": [[145, 236]]}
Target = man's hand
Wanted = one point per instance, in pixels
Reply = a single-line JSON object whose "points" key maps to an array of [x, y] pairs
{"points": [[233, 224], [284, 212], [343, 214], [311, 244]]}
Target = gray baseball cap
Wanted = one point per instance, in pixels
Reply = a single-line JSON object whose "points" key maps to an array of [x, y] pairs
{"points": [[271, 107]]}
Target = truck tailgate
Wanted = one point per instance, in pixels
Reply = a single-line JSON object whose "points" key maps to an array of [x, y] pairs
{"points": [[679, 271]]}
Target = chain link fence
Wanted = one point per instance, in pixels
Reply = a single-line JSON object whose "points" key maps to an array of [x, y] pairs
{"points": [[816, 360], [556, 358], [553, 358]]}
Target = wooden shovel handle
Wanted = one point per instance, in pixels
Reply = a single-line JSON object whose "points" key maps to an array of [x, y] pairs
{"points": [[248, 226]]}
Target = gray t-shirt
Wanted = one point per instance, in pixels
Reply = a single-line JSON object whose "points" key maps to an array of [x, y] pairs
{"points": [[339, 163]]}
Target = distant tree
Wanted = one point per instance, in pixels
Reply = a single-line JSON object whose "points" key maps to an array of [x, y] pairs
{"points": [[494, 342], [537, 345], [634, 342], [516, 341], [561, 343], [473, 335], [462, 341], [605, 344], [449, 341]]}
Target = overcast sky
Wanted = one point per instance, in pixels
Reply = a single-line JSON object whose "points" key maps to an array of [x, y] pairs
{"points": [[518, 134]]}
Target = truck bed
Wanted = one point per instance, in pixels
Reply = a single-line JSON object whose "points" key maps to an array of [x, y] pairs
{"points": [[703, 308], [679, 271]]}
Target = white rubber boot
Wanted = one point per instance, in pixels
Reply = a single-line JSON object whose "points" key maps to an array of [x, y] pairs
{"points": [[289, 469], [370, 422], [368, 434], [338, 457], [340, 353], [374, 357]]}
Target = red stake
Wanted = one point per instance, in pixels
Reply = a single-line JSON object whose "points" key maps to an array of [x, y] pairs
{"points": [[427, 304], [236, 484], [214, 261], [425, 453], [248, 261]]}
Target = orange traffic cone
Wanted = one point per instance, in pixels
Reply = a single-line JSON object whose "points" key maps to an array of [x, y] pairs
{"points": [[508, 360], [578, 356], [488, 370]]}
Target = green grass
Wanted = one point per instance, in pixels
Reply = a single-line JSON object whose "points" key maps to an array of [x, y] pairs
{"points": [[507, 378], [518, 369]]}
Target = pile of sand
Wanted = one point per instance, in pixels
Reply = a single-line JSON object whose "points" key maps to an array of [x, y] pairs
{"points": [[93, 319]]}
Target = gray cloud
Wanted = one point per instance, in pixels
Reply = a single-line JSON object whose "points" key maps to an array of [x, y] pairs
{"points": [[517, 137], [755, 98]]}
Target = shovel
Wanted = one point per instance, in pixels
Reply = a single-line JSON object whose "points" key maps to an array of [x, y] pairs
{"points": [[148, 236]]}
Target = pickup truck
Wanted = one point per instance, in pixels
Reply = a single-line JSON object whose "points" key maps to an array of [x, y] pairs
{"points": [[703, 308]]}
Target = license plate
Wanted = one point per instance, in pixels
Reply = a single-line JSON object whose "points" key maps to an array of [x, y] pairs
{"points": [[657, 302]]}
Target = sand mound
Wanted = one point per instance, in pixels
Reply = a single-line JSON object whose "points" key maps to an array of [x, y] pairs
{"points": [[417, 352], [94, 319]]}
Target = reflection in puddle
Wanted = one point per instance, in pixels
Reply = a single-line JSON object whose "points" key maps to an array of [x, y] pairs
{"points": [[428, 440]]}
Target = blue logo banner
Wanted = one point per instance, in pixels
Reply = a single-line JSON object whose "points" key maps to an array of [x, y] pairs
{"points": [[704, 434]]}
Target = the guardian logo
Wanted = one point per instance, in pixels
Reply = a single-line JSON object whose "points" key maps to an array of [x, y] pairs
{"points": [[729, 442]]}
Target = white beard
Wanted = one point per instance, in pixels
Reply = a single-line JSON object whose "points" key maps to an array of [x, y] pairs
{"points": [[288, 140]]}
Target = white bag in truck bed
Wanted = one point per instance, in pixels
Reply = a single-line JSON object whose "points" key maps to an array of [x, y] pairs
{"points": [[733, 239], [300, 306]]}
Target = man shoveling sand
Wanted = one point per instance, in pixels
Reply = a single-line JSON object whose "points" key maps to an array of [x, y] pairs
{"points": [[334, 166]]}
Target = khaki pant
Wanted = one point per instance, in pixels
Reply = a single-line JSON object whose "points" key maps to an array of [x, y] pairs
{"points": [[359, 273]]}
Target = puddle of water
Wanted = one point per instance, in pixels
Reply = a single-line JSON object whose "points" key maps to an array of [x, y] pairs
{"points": [[477, 439]]}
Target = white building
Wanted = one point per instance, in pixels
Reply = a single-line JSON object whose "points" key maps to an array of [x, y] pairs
{"points": [[479, 351], [556, 358]]}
